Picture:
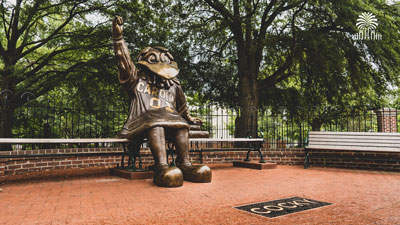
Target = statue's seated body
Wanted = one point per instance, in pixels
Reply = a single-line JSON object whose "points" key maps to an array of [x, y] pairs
{"points": [[157, 110]]}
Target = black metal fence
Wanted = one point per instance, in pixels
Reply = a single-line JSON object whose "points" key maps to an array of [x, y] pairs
{"points": [[280, 130], [35, 120]]}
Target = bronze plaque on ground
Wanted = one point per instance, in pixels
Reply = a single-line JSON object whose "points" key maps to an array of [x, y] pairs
{"points": [[282, 207]]}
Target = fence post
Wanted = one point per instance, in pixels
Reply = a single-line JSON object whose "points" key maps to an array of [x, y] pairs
{"points": [[387, 120]]}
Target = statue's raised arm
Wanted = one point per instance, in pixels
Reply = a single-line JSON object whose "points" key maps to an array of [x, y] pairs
{"points": [[126, 68]]}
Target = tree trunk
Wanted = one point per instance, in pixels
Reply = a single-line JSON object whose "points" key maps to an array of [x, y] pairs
{"points": [[246, 123], [6, 123], [7, 105], [316, 124]]}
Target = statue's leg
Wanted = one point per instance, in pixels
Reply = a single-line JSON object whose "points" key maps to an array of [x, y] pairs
{"points": [[164, 175], [194, 173], [156, 137], [182, 147]]}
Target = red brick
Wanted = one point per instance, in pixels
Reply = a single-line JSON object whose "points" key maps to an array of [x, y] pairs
{"points": [[28, 165], [40, 164], [20, 171], [53, 163], [14, 167]]}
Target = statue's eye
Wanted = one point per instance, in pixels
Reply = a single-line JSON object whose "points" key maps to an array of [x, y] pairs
{"points": [[152, 59], [165, 59]]}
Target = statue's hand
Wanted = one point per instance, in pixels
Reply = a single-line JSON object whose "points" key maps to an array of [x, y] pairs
{"points": [[196, 120], [117, 27]]}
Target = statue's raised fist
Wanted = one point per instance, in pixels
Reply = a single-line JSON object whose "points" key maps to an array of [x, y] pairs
{"points": [[117, 27]]}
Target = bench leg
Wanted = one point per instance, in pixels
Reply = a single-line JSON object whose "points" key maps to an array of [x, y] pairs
{"points": [[123, 156], [306, 158], [247, 156], [133, 150], [170, 151], [261, 156], [259, 152]]}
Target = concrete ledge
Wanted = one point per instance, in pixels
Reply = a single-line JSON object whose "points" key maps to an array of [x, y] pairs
{"points": [[131, 175], [254, 165]]}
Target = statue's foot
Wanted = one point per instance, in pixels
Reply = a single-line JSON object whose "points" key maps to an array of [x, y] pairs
{"points": [[196, 173], [167, 176]]}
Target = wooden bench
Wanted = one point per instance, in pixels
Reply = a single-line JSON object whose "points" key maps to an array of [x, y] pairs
{"points": [[351, 141], [251, 144]]}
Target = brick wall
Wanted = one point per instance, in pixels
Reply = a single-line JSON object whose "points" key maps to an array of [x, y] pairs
{"points": [[284, 156], [16, 166], [356, 160]]}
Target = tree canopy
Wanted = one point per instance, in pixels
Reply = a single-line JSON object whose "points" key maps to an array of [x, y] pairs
{"points": [[41, 44], [298, 54], [249, 54]]}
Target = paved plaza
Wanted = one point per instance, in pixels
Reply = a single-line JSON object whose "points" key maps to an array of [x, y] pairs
{"points": [[358, 197]]}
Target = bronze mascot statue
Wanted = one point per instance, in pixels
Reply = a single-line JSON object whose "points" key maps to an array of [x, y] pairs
{"points": [[158, 110]]}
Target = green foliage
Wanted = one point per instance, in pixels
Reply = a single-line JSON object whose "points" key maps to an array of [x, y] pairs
{"points": [[309, 64], [44, 42]]}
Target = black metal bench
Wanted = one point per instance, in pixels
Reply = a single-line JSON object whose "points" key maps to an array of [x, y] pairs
{"points": [[351, 141], [200, 143], [247, 144]]}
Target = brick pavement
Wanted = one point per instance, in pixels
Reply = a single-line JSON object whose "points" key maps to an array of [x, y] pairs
{"points": [[359, 197]]}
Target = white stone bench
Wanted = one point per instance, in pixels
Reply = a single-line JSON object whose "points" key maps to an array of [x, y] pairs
{"points": [[351, 141]]}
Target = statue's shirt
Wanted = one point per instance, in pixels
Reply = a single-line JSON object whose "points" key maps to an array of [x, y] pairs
{"points": [[155, 101], [153, 106]]}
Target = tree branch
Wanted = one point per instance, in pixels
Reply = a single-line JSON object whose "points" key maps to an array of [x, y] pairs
{"points": [[221, 49], [280, 74], [72, 14], [221, 9], [32, 12], [14, 26], [42, 88], [236, 12], [44, 84], [3, 17], [234, 23], [263, 27], [44, 61], [265, 23], [252, 11]]}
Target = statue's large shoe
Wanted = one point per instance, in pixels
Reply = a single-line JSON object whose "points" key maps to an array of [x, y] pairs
{"points": [[167, 176], [196, 173]]}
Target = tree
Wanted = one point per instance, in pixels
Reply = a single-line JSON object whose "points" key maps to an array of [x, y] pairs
{"points": [[267, 42], [338, 75], [43, 42]]}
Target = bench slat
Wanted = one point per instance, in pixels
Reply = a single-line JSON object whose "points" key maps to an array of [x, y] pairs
{"points": [[353, 148], [383, 145], [61, 140], [226, 140], [322, 133], [390, 138], [109, 140], [357, 141]]}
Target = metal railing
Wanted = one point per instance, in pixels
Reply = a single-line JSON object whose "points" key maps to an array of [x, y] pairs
{"points": [[280, 130]]}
